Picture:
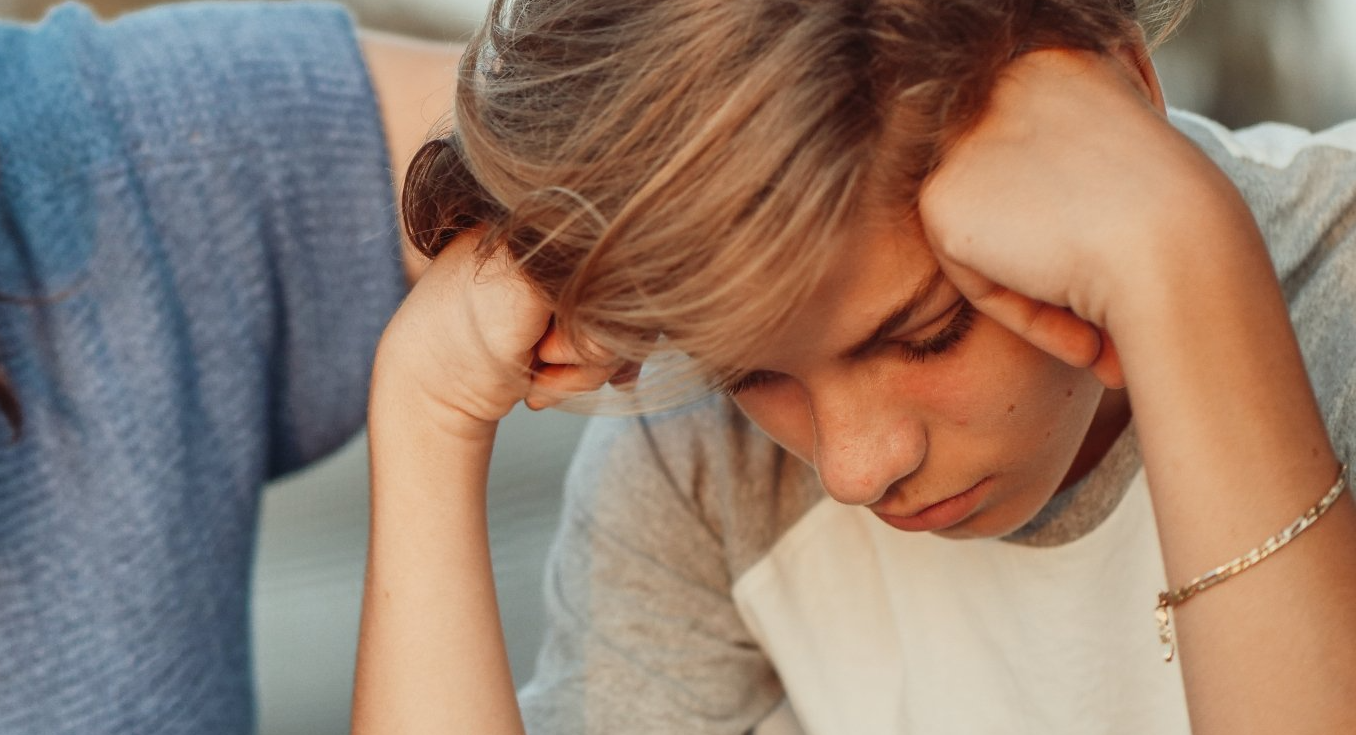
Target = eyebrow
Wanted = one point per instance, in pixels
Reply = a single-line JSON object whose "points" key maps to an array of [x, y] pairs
{"points": [[897, 318]]}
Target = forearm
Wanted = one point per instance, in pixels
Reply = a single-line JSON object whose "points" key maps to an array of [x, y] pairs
{"points": [[1235, 449], [431, 655]]}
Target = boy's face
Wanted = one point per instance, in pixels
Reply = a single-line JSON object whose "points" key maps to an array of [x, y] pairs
{"points": [[945, 402]]}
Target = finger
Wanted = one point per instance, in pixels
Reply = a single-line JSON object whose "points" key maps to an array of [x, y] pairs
{"points": [[1056, 330], [1052, 329], [554, 349], [626, 376], [552, 384], [1107, 366]]}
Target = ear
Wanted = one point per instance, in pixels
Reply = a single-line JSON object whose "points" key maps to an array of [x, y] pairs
{"points": [[1139, 68]]}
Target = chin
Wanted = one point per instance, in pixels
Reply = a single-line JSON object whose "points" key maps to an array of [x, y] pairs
{"points": [[997, 519], [978, 529]]}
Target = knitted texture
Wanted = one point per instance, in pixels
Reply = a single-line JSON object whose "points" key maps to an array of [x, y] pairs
{"points": [[197, 255]]}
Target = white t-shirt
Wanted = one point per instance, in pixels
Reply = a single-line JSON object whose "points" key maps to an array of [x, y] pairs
{"points": [[874, 631]]}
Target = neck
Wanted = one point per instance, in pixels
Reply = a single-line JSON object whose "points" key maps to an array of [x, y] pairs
{"points": [[1111, 418]]}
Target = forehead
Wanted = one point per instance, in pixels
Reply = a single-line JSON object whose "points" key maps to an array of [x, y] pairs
{"points": [[879, 269], [873, 270], [880, 260]]}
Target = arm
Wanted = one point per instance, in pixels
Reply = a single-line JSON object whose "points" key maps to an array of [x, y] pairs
{"points": [[431, 645], [1235, 449], [415, 82], [450, 365], [431, 656], [1153, 247], [643, 634]]}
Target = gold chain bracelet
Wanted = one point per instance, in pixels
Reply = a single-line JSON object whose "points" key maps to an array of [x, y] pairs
{"points": [[1168, 600]]}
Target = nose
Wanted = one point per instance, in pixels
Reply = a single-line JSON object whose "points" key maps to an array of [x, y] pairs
{"points": [[864, 444]]}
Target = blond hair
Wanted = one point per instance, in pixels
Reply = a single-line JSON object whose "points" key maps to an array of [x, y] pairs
{"points": [[691, 167]]}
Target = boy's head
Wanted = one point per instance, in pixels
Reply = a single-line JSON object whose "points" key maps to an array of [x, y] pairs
{"points": [[742, 178], [689, 167]]}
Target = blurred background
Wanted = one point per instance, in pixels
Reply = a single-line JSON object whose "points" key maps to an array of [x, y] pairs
{"points": [[1238, 61]]}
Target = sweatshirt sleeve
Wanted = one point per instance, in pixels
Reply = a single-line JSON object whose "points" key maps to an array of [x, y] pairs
{"points": [[232, 155], [643, 634]]}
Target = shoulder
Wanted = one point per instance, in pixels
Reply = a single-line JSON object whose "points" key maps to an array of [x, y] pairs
{"points": [[1300, 185], [707, 458], [183, 82], [1273, 144], [683, 449], [190, 102], [211, 181]]}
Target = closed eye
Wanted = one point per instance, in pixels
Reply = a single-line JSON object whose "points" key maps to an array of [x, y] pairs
{"points": [[916, 350], [748, 381], [945, 338]]}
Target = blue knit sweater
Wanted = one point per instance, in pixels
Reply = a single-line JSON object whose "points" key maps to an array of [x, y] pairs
{"points": [[197, 254]]}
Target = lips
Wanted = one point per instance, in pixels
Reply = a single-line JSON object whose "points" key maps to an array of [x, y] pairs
{"points": [[919, 510], [939, 515]]}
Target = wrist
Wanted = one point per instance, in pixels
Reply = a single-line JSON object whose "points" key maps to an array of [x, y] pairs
{"points": [[399, 401]]}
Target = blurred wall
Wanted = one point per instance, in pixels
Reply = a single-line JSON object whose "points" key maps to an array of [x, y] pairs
{"points": [[1246, 61]]}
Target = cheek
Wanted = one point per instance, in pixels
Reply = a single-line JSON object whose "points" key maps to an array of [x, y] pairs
{"points": [[1002, 393], [1019, 414], [995, 400]]}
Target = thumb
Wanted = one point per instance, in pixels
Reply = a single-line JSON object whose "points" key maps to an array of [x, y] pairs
{"points": [[1107, 366]]}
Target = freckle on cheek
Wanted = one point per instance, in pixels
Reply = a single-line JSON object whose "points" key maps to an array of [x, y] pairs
{"points": [[1012, 407], [1068, 393]]}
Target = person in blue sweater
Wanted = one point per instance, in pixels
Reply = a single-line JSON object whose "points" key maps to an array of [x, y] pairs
{"points": [[198, 252]]}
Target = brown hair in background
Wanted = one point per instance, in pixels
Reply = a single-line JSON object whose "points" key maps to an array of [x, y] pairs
{"points": [[9, 406]]}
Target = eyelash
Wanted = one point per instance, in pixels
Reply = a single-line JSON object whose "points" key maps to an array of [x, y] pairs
{"points": [[948, 337], [937, 344]]}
